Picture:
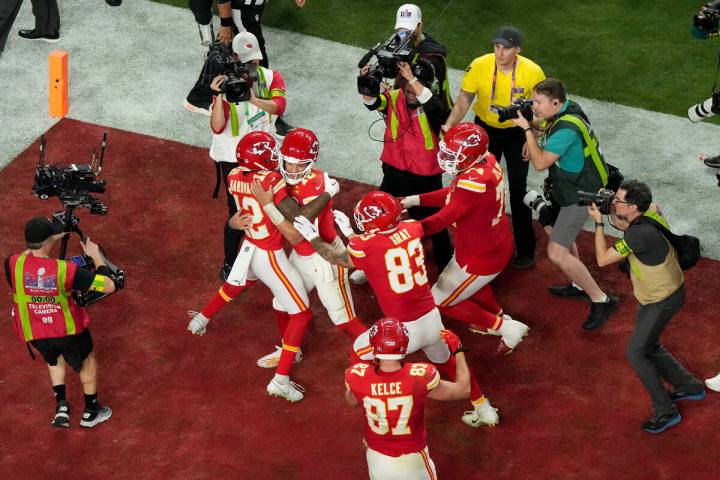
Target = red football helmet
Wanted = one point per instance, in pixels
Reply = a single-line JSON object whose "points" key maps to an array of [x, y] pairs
{"points": [[389, 339], [377, 211], [256, 151], [300, 147], [462, 146]]}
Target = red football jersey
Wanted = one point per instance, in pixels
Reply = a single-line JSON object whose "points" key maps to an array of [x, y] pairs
{"points": [[393, 404], [394, 264], [305, 192], [483, 239], [263, 233]]}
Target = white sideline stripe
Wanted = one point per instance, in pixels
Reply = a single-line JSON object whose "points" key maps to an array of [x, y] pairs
{"points": [[132, 66]]}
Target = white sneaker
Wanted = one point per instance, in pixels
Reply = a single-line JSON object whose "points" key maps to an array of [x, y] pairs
{"points": [[291, 391], [271, 360], [483, 414], [358, 277], [90, 419], [206, 34], [512, 333], [713, 383]]}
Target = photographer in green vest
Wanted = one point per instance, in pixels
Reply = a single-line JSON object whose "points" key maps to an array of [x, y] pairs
{"points": [[571, 152]]}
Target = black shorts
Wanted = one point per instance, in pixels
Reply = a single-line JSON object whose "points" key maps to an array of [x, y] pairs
{"points": [[75, 349]]}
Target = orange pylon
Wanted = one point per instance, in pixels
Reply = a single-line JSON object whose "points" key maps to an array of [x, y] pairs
{"points": [[58, 83]]}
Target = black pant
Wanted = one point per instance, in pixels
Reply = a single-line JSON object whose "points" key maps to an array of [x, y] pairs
{"points": [[47, 16], [8, 11], [399, 183], [651, 361], [232, 238], [202, 10], [509, 142]]}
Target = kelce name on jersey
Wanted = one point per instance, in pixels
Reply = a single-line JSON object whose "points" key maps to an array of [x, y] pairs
{"points": [[399, 237], [386, 388]]}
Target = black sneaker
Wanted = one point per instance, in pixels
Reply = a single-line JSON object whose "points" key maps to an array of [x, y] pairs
{"points": [[713, 162], [114, 3], [90, 418], [282, 127], [569, 291], [225, 271], [523, 262], [35, 35], [600, 312], [680, 395], [62, 415], [659, 424]]}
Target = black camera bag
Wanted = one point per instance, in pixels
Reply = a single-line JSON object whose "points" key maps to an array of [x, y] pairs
{"points": [[687, 247]]}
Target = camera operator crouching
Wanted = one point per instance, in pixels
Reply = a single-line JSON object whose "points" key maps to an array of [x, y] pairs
{"points": [[47, 316], [572, 154], [249, 98], [409, 156], [658, 286]]}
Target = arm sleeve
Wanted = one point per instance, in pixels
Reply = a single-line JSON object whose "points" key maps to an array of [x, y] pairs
{"points": [[277, 93], [434, 199], [469, 81], [436, 113], [83, 279], [380, 104], [460, 204]]}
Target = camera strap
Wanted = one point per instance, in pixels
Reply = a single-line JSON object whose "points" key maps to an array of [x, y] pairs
{"points": [[218, 174], [512, 84]]}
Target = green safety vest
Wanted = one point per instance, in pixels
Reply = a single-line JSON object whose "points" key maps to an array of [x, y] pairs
{"points": [[263, 92], [21, 300], [594, 174]]}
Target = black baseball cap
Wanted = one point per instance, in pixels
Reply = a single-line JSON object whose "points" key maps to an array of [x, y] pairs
{"points": [[508, 37], [39, 229]]}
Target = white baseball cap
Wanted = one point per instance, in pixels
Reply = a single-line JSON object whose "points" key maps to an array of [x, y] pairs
{"points": [[408, 17], [246, 46]]}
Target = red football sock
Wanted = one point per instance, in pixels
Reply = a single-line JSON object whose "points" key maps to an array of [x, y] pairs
{"points": [[225, 295], [448, 369], [292, 339], [282, 318], [485, 298], [354, 328], [469, 312]]}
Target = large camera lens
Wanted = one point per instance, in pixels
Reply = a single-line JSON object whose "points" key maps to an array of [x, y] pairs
{"points": [[534, 201]]}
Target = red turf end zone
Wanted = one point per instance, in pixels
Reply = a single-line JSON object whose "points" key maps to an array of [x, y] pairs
{"points": [[195, 408]]}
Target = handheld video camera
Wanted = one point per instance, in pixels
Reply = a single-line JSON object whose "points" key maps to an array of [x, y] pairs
{"points": [[73, 185], [706, 22], [520, 106], [400, 47], [238, 77], [603, 199]]}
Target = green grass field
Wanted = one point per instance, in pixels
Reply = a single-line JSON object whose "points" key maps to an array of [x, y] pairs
{"points": [[638, 53]]}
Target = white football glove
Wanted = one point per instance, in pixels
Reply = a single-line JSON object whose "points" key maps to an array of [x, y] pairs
{"points": [[197, 323], [332, 187], [410, 201], [343, 223], [306, 228]]}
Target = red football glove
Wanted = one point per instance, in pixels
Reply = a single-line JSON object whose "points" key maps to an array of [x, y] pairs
{"points": [[452, 341]]}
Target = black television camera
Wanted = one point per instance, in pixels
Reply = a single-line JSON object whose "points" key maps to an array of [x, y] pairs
{"points": [[238, 77], [73, 185], [520, 106], [706, 22], [400, 47], [603, 199]]}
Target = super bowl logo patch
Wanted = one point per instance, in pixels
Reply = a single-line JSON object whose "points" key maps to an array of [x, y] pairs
{"points": [[40, 282]]}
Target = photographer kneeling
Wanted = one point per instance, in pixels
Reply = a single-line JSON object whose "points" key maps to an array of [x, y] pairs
{"points": [[46, 315], [657, 281], [249, 100], [571, 153], [413, 116]]}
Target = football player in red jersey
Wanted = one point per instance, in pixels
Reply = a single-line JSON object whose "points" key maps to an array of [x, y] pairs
{"points": [[262, 256], [474, 207], [297, 156], [391, 254], [392, 396]]}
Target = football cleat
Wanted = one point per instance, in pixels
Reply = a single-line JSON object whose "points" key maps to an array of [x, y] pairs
{"points": [[291, 391], [483, 331], [483, 414], [271, 360], [713, 383], [512, 333]]}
